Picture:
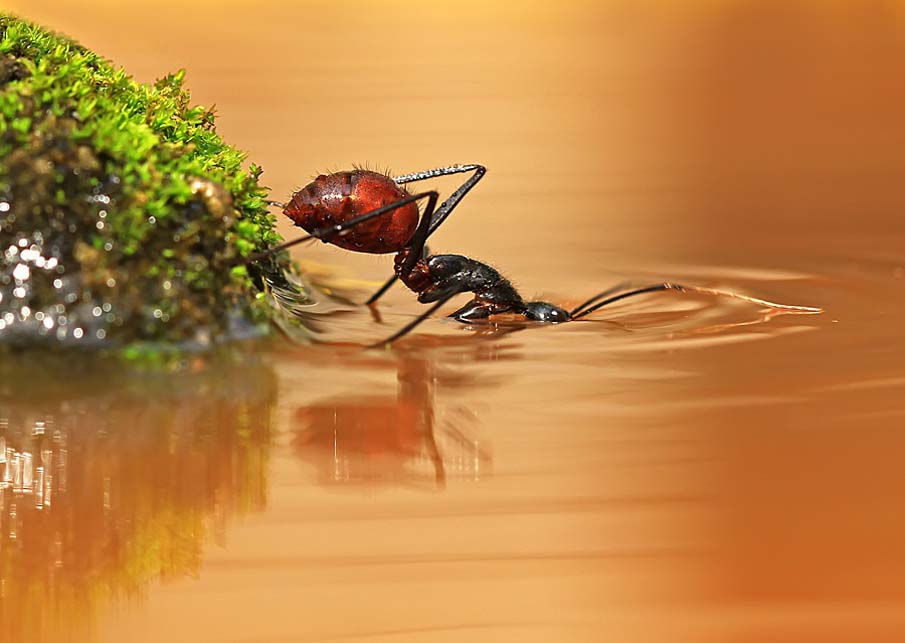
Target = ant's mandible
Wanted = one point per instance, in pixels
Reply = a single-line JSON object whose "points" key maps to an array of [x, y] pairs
{"points": [[365, 211]]}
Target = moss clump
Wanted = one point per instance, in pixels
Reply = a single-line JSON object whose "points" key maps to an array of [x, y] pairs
{"points": [[123, 215]]}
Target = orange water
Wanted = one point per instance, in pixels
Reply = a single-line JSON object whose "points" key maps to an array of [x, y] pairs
{"points": [[680, 468]]}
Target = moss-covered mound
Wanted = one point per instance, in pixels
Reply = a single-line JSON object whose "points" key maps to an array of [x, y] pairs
{"points": [[123, 215]]}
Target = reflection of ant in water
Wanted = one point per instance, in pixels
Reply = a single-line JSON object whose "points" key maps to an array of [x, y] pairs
{"points": [[347, 209], [373, 439]]}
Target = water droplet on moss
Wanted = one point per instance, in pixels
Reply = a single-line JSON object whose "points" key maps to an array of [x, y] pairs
{"points": [[21, 272]]}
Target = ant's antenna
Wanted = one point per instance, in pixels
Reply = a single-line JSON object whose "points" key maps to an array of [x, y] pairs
{"points": [[606, 293], [625, 295]]}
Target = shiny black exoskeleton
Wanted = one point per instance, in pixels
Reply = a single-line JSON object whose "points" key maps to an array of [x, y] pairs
{"points": [[440, 277]]}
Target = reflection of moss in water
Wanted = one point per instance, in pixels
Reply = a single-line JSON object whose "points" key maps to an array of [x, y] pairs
{"points": [[139, 476], [121, 209]]}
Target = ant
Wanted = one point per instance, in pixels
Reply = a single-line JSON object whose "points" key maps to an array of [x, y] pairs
{"points": [[347, 209]]}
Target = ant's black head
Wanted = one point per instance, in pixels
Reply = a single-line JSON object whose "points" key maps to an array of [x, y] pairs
{"points": [[543, 312]]}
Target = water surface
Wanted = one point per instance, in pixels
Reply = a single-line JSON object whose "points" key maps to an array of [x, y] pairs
{"points": [[677, 468]]}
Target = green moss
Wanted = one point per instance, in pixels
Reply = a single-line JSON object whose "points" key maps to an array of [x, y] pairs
{"points": [[123, 215]]}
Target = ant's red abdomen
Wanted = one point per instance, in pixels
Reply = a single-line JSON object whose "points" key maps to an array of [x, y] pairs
{"points": [[341, 196]]}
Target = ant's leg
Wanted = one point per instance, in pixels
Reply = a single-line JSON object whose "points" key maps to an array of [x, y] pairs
{"points": [[449, 205], [389, 282], [377, 295], [328, 232], [435, 456], [471, 311], [417, 243], [412, 324], [442, 212]]}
